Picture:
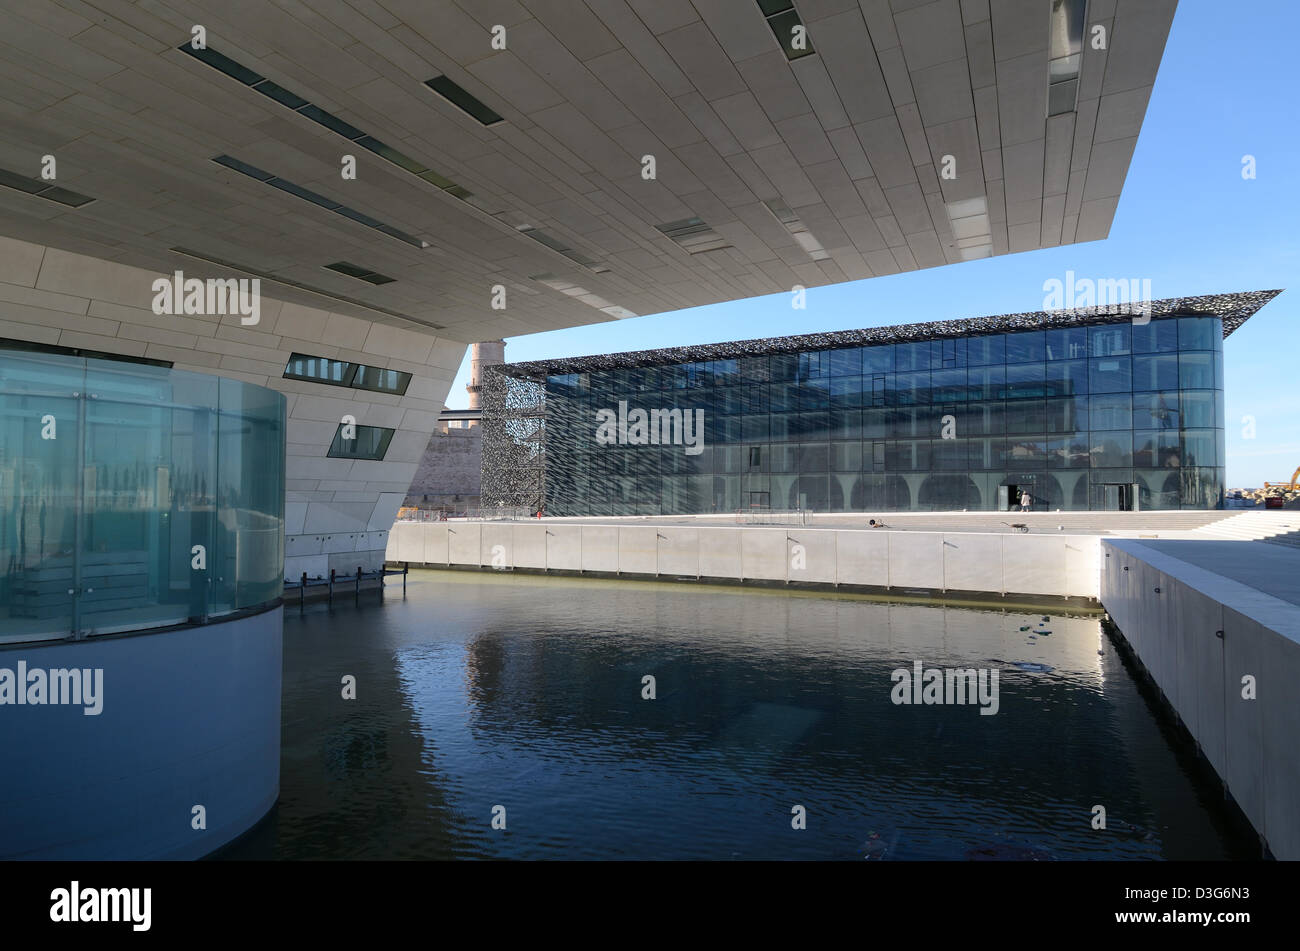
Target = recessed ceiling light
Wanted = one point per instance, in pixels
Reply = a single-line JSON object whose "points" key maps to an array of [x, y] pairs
{"points": [[289, 282], [317, 199], [43, 189], [462, 99]]}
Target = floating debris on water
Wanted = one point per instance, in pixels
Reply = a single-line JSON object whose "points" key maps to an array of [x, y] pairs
{"points": [[1009, 852], [875, 847], [1034, 668]]}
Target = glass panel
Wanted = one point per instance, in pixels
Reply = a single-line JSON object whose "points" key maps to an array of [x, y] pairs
{"points": [[846, 391], [785, 366], [1066, 343], [912, 356], [1025, 379], [912, 387], [846, 456], [876, 423], [1198, 333], [847, 362], [1026, 453], [985, 350], [1158, 336], [1196, 371], [167, 503], [1111, 375], [1027, 416], [878, 359], [360, 442], [1157, 410], [950, 454], [846, 423], [813, 457], [1067, 378], [1025, 347], [1109, 339], [1111, 412], [1155, 372], [948, 385], [148, 501], [303, 366], [1069, 452], [250, 490], [39, 440], [1200, 447], [1111, 449], [1068, 415], [389, 381], [1199, 408], [1157, 449], [987, 383]]}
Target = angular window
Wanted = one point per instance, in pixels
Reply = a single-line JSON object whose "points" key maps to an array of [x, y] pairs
{"points": [[367, 442], [320, 370], [304, 366]]}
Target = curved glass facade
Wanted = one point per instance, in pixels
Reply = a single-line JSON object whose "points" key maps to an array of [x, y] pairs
{"points": [[1108, 416], [134, 496]]}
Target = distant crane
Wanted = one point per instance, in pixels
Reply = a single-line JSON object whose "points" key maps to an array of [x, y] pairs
{"points": [[1295, 478]]}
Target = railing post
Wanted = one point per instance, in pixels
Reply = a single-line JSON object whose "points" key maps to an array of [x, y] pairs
{"points": [[302, 592], [331, 586], [358, 591]]}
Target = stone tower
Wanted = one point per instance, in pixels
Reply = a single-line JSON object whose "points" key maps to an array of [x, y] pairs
{"points": [[481, 355]]}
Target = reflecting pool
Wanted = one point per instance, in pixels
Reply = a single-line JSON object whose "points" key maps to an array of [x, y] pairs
{"points": [[482, 690]]}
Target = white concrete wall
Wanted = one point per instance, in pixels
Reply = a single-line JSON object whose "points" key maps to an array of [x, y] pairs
{"points": [[1061, 565], [338, 512], [1250, 743], [189, 717]]}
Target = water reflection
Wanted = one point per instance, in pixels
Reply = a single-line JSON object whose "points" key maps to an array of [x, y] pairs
{"points": [[486, 690]]}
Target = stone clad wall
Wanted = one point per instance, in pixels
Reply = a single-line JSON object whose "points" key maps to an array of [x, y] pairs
{"points": [[1041, 565], [450, 471], [1198, 636]]}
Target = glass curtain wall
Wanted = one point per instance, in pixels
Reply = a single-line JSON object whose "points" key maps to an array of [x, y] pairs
{"points": [[134, 496], [1075, 417]]}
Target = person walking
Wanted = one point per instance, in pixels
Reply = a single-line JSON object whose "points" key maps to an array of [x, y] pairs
{"points": [[1026, 500]]}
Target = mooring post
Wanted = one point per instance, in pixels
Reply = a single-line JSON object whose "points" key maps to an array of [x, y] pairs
{"points": [[406, 567], [302, 592], [358, 591], [331, 586]]}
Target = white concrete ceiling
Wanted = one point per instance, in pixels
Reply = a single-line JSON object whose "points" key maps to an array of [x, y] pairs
{"points": [[849, 139]]}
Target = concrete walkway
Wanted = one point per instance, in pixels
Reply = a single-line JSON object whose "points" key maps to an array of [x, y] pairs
{"points": [[1272, 569]]}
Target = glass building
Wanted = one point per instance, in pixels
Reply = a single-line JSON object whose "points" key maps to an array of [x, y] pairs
{"points": [[1096, 411], [134, 496]]}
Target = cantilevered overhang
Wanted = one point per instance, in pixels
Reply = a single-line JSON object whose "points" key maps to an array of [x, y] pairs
{"points": [[1234, 309], [902, 135]]}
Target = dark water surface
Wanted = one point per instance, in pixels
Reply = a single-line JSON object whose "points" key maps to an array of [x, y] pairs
{"points": [[483, 690]]}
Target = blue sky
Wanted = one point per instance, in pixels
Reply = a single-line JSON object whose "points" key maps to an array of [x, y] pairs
{"points": [[1187, 221]]}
